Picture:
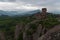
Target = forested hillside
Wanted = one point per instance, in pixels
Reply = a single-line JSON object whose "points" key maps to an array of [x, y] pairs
{"points": [[25, 27]]}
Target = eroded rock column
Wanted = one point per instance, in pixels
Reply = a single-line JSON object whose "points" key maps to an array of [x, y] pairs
{"points": [[17, 31], [2, 35], [37, 33]]}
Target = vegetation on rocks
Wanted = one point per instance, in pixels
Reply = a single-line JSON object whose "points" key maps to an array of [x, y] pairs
{"points": [[8, 25]]}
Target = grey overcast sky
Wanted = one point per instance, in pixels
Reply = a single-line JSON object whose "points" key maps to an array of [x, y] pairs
{"points": [[29, 4]]}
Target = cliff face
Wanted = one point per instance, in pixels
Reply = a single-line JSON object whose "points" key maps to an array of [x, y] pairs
{"points": [[36, 27], [2, 36], [52, 34], [39, 30]]}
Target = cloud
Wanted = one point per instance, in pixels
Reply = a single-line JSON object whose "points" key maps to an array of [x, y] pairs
{"points": [[29, 4], [16, 6]]}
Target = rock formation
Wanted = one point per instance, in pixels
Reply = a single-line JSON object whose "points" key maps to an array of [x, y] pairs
{"points": [[42, 15], [40, 29], [2, 35], [18, 29], [49, 33], [34, 30], [37, 33]]}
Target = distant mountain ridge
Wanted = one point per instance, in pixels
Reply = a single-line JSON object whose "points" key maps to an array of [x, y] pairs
{"points": [[13, 13], [20, 14]]}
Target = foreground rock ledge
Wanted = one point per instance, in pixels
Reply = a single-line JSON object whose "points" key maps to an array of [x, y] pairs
{"points": [[52, 34]]}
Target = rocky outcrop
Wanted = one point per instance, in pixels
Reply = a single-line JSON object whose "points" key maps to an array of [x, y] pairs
{"points": [[34, 30], [2, 35], [25, 36], [18, 29], [37, 33], [49, 35]]}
